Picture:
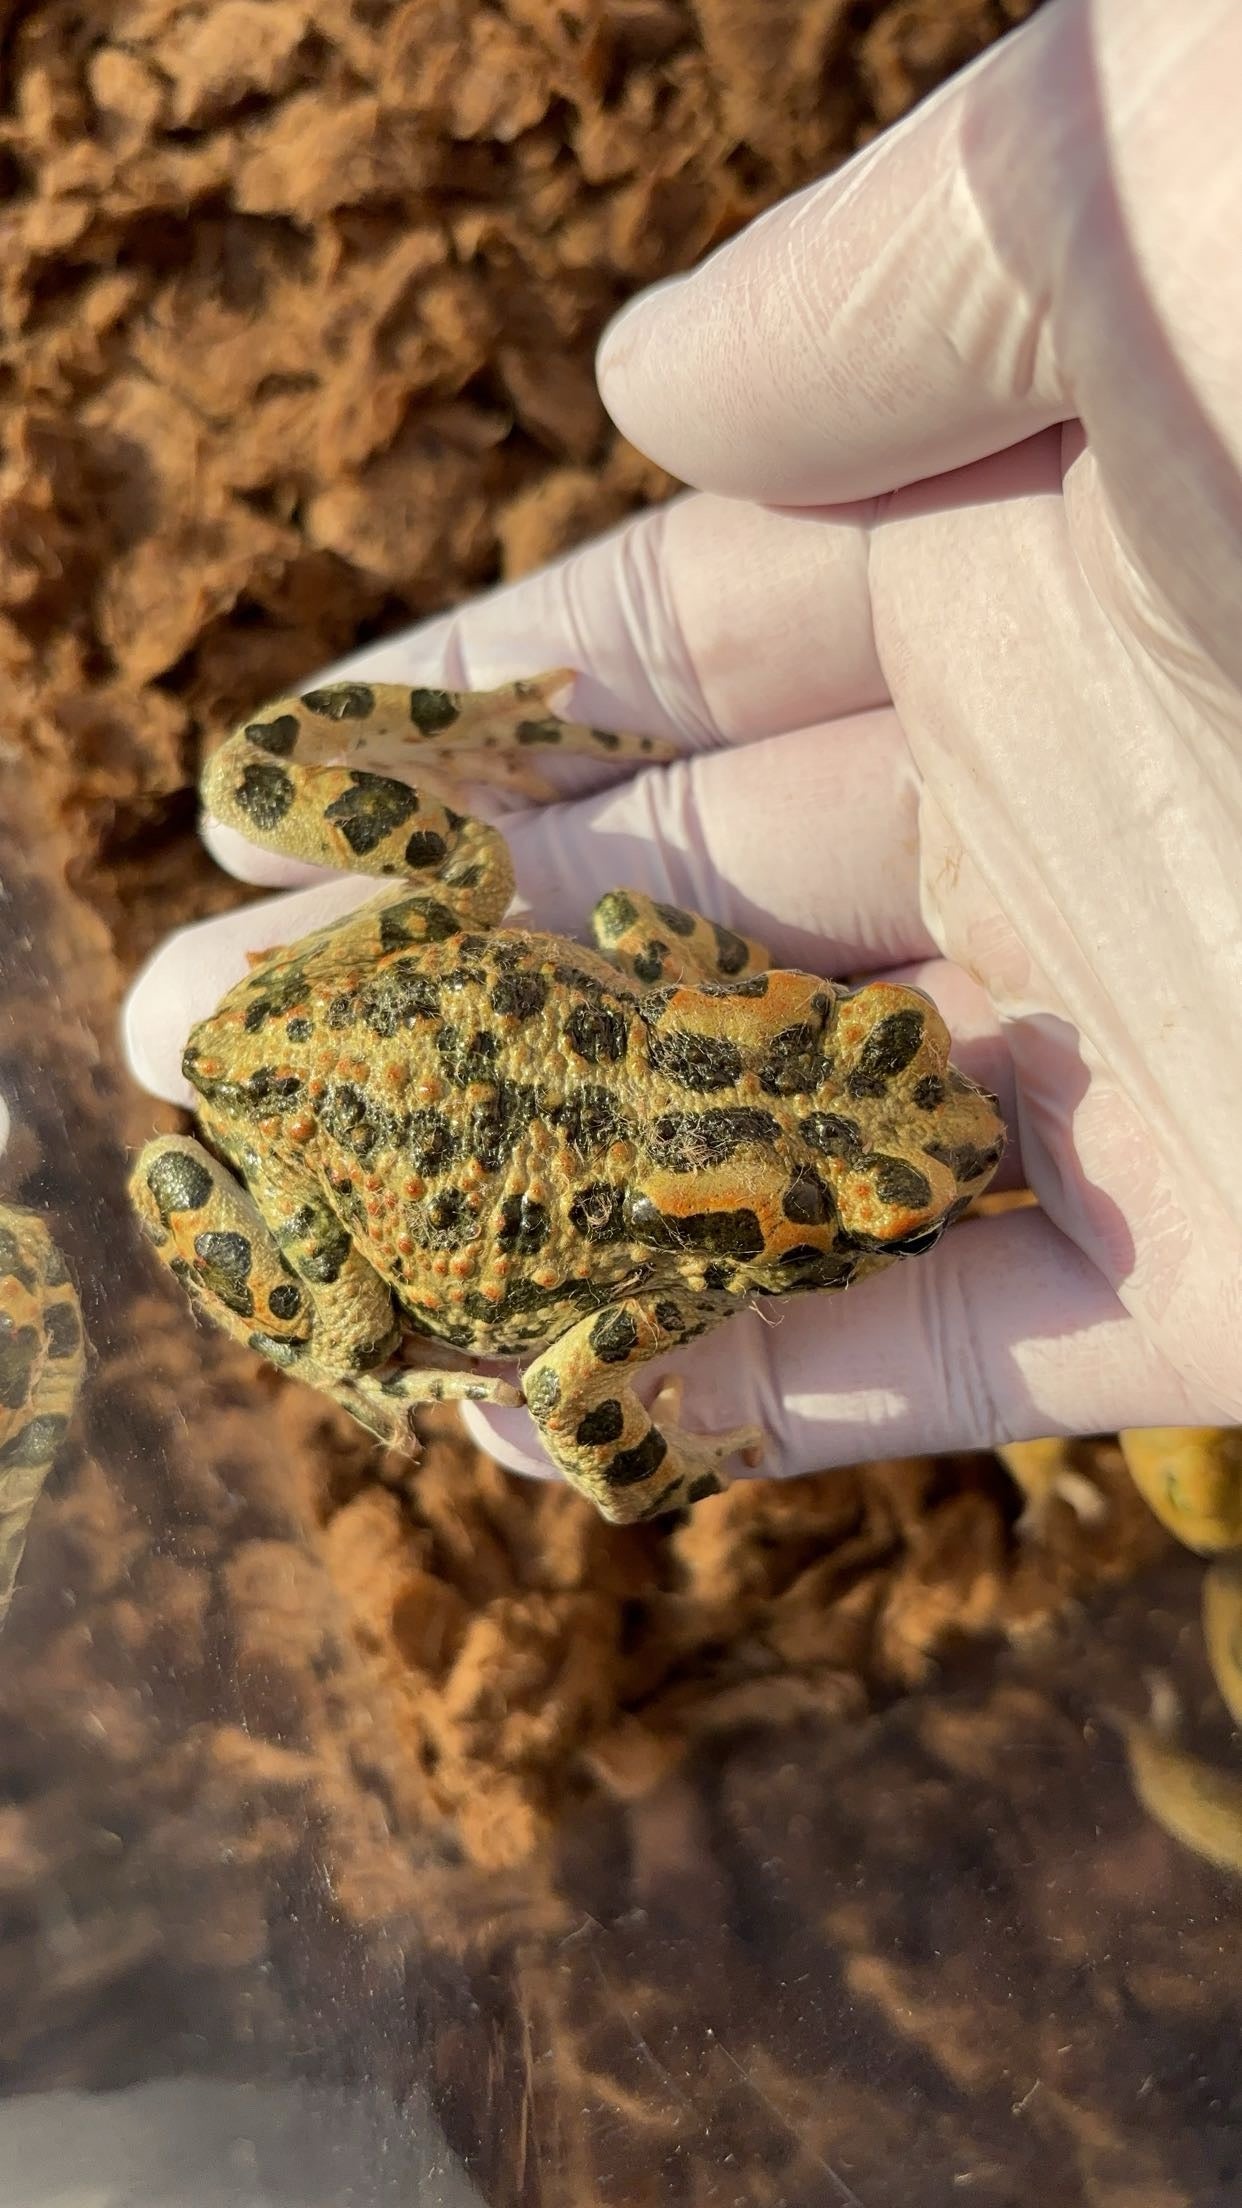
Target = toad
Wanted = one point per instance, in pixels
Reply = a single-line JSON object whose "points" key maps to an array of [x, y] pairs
{"points": [[421, 1127]]}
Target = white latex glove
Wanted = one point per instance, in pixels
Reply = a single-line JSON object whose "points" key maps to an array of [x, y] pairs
{"points": [[951, 642]]}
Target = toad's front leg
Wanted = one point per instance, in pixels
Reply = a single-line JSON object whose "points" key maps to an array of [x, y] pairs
{"points": [[596, 1430]]}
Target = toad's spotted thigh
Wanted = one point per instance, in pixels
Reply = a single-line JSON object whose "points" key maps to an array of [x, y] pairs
{"points": [[419, 1126]]}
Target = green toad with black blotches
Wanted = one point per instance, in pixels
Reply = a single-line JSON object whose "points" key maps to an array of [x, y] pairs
{"points": [[421, 1126]]}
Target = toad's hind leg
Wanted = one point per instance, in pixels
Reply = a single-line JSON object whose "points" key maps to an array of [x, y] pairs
{"points": [[596, 1430], [296, 1290], [364, 823], [656, 942], [322, 777], [478, 736], [212, 1237]]}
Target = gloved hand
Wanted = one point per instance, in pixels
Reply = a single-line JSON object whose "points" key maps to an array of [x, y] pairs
{"points": [[950, 640]]}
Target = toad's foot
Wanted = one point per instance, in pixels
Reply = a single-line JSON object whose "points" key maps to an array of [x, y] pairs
{"points": [[385, 1402], [624, 1458], [702, 1454]]}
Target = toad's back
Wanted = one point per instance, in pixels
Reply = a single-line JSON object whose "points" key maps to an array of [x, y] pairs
{"points": [[589, 1155], [469, 1107]]}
